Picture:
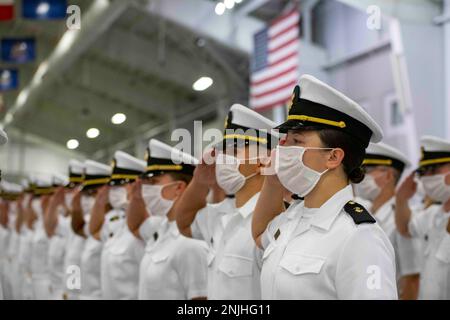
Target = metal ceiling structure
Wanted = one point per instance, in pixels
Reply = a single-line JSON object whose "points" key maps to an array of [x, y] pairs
{"points": [[141, 58]]}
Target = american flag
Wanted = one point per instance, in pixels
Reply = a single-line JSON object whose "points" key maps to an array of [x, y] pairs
{"points": [[275, 62]]}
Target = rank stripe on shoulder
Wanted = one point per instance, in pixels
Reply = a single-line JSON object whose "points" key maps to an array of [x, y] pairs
{"points": [[358, 213]]}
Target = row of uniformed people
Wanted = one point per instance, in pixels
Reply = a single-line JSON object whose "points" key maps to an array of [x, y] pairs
{"points": [[282, 220]]}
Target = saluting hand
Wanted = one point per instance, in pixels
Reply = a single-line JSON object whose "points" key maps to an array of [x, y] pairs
{"points": [[135, 192], [407, 189], [58, 196], [101, 199], [76, 201], [205, 171]]}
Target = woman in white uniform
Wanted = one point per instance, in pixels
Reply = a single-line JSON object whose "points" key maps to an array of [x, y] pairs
{"points": [[122, 251], [57, 227], [384, 166], [40, 241], [75, 242], [432, 225], [96, 176], [174, 267], [325, 246], [234, 261]]}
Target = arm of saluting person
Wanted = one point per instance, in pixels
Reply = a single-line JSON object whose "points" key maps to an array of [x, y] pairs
{"points": [[194, 197], [77, 220], [51, 214], [402, 211], [136, 211], [98, 212]]}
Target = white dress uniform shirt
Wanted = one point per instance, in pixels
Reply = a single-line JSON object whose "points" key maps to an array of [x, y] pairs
{"points": [[4, 238], [408, 251], [431, 226], [25, 239], [56, 253], [72, 261], [39, 262], [234, 260], [90, 269], [174, 267], [323, 254], [121, 256]]}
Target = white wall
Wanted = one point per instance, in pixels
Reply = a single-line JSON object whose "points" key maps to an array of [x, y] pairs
{"points": [[26, 154]]}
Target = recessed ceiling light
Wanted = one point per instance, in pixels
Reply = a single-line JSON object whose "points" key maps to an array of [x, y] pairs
{"points": [[202, 84], [72, 144], [220, 8], [42, 8], [118, 118], [229, 4], [93, 133]]}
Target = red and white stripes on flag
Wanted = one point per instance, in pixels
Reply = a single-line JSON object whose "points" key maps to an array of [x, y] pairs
{"points": [[275, 62], [6, 10]]}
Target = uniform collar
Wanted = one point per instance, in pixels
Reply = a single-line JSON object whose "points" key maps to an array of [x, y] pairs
{"points": [[328, 212], [225, 206], [384, 212], [249, 206]]}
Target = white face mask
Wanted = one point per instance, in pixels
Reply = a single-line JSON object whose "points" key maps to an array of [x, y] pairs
{"points": [[367, 189], [436, 188], [87, 202], [154, 201], [228, 176], [292, 172], [68, 197], [118, 197], [37, 208]]}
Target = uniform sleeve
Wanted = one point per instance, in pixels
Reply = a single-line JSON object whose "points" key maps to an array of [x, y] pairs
{"points": [[366, 266], [199, 227], [421, 222], [149, 227], [409, 253], [63, 227], [192, 268], [443, 251]]}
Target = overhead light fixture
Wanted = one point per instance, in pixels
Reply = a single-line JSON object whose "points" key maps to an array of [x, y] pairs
{"points": [[118, 118], [220, 8], [229, 4], [238, 1], [202, 84], [43, 8], [93, 133], [72, 144]]}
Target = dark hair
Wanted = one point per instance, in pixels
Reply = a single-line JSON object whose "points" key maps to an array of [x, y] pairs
{"points": [[353, 148], [180, 176]]}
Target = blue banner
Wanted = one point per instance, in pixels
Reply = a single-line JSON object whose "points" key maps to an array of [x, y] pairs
{"points": [[15, 50], [9, 79], [44, 9]]}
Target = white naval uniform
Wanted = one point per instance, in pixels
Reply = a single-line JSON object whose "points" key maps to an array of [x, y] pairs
{"points": [[408, 251], [323, 254], [39, 262], [24, 263], [234, 260], [4, 238], [56, 253], [173, 267], [90, 265], [121, 256], [431, 226], [72, 261]]}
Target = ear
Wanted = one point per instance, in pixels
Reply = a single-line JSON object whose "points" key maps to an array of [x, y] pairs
{"points": [[181, 186], [335, 158]]}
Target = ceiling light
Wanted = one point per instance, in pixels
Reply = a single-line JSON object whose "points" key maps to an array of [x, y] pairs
{"points": [[220, 8], [72, 144], [118, 118], [43, 8], [202, 84], [229, 4], [93, 133]]}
